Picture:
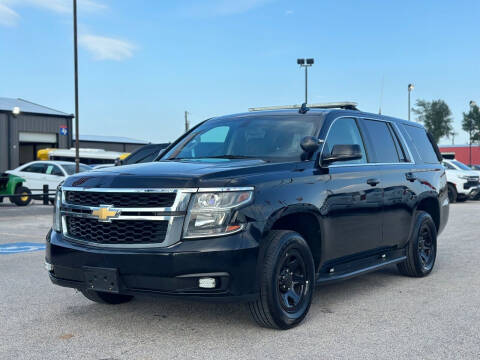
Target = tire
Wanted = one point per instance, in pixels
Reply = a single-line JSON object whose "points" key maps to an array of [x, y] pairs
{"points": [[24, 199], [422, 248], [286, 278], [452, 193], [106, 298]]}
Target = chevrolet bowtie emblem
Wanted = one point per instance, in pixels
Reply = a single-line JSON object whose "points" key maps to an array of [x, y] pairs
{"points": [[105, 213]]}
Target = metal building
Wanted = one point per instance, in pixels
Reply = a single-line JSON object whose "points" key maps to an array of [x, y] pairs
{"points": [[26, 127], [111, 143]]}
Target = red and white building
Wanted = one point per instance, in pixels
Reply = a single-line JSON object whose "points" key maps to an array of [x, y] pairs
{"points": [[462, 153]]}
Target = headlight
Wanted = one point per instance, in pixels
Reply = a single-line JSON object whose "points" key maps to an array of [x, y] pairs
{"points": [[57, 217], [210, 213], [464, 177]]}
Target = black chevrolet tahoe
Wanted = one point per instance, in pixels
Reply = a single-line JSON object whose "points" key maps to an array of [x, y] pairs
{"points": [[258, 207]]}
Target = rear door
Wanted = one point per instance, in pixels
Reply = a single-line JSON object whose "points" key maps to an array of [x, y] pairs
{"points": [[353, 207], [394, 168]]}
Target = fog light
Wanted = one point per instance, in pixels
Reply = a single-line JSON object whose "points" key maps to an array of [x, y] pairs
{"points": [[48, 266], [207, 283]]}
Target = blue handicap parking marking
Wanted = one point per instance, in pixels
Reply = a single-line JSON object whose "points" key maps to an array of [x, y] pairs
{"points": [[20, 247]]}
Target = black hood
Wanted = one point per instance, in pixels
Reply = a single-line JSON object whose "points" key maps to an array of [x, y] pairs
{"points": [[173, 174]]}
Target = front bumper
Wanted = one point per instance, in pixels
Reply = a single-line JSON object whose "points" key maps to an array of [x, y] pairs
{"points": [[171, 271]]}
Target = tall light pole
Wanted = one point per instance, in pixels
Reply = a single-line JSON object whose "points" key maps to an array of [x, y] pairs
{"points": [[75, 55], [305, 63], [410, 88], [472, 105]]}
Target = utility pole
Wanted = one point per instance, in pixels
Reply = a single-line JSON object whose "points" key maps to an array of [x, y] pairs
{"points": [[305, 63], [187, 125], [75, 55]]}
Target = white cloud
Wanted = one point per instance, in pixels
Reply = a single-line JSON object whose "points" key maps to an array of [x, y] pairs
{"points": [[8, 17], [107, 48]]}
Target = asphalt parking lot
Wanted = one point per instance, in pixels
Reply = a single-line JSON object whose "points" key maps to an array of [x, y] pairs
{"points": [[380, 315]]}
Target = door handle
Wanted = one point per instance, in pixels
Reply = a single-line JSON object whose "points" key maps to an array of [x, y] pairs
{"points": [[373, 182], [410, 177]]}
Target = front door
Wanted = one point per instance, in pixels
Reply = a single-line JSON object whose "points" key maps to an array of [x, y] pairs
{"points": [[354, 207]]}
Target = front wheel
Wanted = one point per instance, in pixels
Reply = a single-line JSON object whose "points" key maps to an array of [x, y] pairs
{"points": [[422, 247], [106, 298], [286, 280]]}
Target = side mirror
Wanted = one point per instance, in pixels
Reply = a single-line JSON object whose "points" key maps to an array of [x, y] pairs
{"points": [[343, 153], [310, 144]]}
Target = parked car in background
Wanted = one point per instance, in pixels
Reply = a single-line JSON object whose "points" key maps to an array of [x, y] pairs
{"points": [[51, 173], [257, 207], [144, 154], [463, 182]]}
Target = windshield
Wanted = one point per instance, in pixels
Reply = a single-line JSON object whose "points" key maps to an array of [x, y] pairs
{"points": [[70, 169], [460, 165], [272, 138]]}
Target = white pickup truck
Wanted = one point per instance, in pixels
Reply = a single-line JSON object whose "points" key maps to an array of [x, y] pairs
{"points": [[463, 182]]}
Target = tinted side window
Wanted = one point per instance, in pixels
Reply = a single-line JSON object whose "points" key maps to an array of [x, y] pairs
{"points": [[36, 168], [380, 144], [344, 131], [421, 144], [401, 150]]}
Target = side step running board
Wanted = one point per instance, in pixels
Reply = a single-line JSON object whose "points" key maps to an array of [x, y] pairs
{"points": [[334, 276]]}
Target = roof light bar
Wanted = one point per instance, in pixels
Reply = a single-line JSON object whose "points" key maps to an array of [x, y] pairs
{"points": [[348, 105]]}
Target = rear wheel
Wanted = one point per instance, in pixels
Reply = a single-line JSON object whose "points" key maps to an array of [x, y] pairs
{"points": [[286, 281], [422, 247], [452, 193], [23, 196], [106, 298]]}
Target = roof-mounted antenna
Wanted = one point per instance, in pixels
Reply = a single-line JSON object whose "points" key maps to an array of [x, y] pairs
{"points": [[303, 109]]}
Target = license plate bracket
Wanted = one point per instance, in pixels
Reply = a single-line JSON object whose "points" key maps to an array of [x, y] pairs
{"points": [[101, 279]]}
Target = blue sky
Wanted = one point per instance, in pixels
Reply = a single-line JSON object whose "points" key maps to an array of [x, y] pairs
{"points": [[142, 63]]}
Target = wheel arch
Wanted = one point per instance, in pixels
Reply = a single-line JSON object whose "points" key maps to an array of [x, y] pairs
{"points": [[453, 184], [431, 206], [304, 219]]}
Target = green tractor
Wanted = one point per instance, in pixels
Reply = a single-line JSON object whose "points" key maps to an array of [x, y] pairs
{"points": [[11, 186]]}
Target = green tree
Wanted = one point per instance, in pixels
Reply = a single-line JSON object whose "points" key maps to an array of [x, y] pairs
{"points": [[471, 123], [436, 116]]}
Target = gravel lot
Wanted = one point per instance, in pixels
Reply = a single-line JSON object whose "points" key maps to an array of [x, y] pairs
{"points": [[380, 315]]}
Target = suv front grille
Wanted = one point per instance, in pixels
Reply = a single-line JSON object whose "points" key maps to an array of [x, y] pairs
{"points": [[117, 232], [120, 199]]}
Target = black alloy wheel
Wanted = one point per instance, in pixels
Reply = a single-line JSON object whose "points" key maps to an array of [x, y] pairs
{"points": [[286, 276], [426, 250], [421, 250], [292, 281]]}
